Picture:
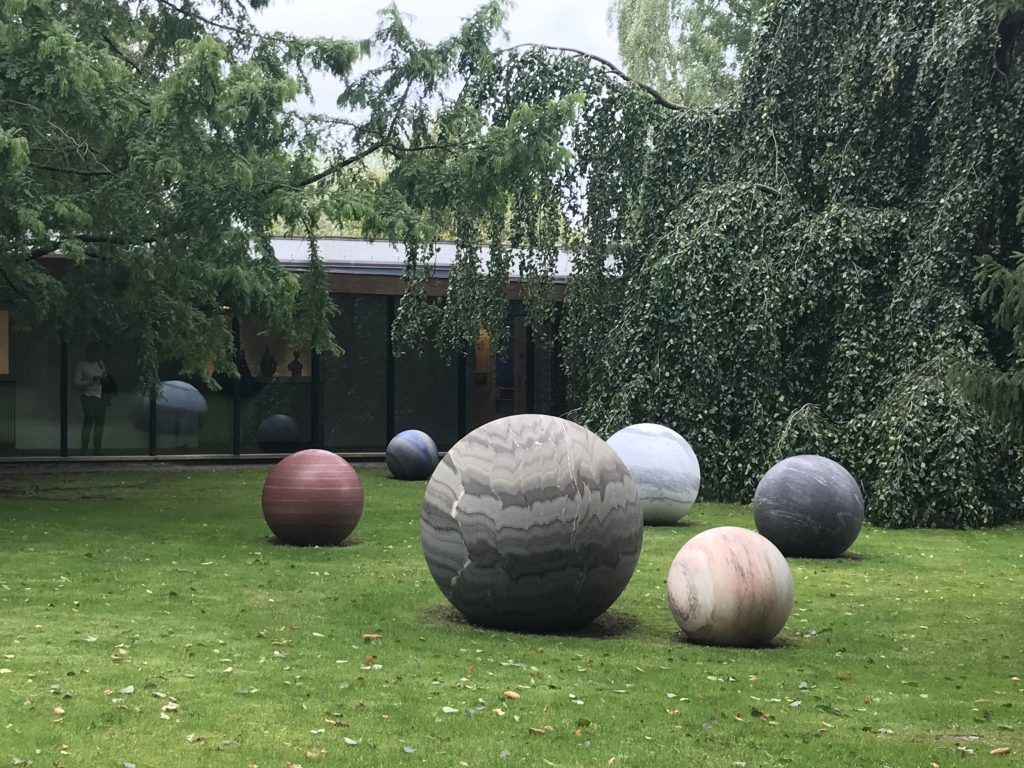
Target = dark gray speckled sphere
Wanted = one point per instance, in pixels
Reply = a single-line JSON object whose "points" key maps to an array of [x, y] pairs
{"points": [[531, 523], [279, 433], [809, 506]]}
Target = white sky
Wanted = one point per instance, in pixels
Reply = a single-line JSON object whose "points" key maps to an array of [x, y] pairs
{"points": [[572, 23]]}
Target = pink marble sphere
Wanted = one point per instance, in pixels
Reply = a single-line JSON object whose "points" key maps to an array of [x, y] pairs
{"points": [[730, 586], [312, 498]]}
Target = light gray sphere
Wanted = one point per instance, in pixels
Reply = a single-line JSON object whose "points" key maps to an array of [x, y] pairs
{"points": [[809, 506], [531, 522], [180, 409], [730, 586], [664, 468], [411, 455]]}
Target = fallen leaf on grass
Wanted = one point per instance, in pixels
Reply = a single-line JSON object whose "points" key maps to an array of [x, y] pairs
{"points": [[58, 711], [449, 710], [512, 695], [351, 742], [170, 707], [369, 636], [1000, 751], [128, 689]]}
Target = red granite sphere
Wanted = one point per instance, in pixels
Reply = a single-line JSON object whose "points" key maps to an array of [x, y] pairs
{"points": [[312, 498]]}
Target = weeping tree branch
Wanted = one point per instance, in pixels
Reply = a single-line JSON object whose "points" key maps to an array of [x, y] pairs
{"points": [[656, 95]]}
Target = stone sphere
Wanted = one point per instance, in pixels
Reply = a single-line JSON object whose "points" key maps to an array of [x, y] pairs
{"points": [[664, 468], [180, 409], [312, 497], [279, 433], [411, 455], [809, 506], [531, 523], [730, 586]]}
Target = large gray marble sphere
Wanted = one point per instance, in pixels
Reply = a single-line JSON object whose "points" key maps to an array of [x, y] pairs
{"points": [[809, 506], [531, 523], [730, 586], [664, 468]]}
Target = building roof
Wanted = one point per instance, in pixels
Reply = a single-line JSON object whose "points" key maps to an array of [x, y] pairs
{"points": [[350, 255]]}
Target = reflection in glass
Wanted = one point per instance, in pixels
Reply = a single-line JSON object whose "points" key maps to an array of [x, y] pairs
{"points": [[354, 385], [120, 434], [427, 395], [30, 395], [274, 391]]}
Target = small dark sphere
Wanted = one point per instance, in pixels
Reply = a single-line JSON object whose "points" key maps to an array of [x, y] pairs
{"points": [[312, 497], [180, 409], [411, 455], [809, 506], [279, 433]]}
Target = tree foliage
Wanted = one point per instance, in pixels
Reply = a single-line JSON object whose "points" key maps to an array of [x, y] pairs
{"points": [[797, 270], [155, 145], [690, 50]]}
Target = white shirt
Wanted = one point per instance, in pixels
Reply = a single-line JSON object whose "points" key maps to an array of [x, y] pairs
{"points": [[87, 376]]}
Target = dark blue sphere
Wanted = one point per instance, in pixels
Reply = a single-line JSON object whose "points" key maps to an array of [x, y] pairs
{"points": [[411, 455]]}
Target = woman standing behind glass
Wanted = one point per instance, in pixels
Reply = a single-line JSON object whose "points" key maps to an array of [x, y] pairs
{"points": [[89, 375]]}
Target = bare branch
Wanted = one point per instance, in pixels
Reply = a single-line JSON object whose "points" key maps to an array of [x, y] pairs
{"points": [[343, 163], [219, 25], [73, 171], [769, 190], [652, 92]]}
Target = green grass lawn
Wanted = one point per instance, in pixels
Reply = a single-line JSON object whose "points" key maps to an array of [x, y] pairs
{"points": [[146, 619]]}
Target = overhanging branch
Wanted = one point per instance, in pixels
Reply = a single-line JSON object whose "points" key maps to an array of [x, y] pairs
{"points": [[656, 95]]}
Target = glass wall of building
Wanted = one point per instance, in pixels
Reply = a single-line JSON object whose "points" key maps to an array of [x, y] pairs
{"points": [[103, 424], [353, 389], [30, 370], [191, 417], [285, 400], [427, 395], [275, 392]]}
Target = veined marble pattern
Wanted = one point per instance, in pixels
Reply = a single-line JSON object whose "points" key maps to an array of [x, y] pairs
{"points": [[531, 522], [411, 455], [809, 506], [663, 466], [730, 586]]}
